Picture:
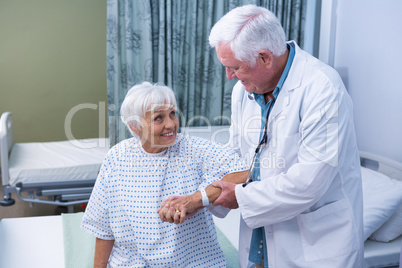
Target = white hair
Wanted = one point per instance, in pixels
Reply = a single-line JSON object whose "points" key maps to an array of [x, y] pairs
{"points": [[249, 29], [142, 98]]}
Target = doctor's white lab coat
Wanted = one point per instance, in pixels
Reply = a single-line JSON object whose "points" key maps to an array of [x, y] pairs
{"points": [[309, 198]]}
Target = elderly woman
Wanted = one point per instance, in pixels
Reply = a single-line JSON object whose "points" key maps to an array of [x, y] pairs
{"points": [[139, 173]]}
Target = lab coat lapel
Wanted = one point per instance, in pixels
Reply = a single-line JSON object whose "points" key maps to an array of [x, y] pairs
{"points": [[292, 82]]}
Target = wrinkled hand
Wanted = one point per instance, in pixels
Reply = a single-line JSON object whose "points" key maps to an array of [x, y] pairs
{"points": [[166, 211], [176, 209], [227, 198]]}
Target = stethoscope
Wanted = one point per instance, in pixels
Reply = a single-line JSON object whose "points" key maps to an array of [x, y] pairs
{"points": [[263, 140]]}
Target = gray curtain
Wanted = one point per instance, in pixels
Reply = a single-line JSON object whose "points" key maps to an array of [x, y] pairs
{"points": [[167, 41]]}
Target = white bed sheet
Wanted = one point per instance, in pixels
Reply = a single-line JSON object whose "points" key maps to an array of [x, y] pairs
{"points": [[35, 242], [215, 133], [379, 254], [56, 161]]}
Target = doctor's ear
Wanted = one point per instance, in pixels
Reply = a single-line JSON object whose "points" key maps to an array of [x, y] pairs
{"points": [[265, 57]]}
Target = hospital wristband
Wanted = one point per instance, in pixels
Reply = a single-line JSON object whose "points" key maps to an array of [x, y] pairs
{"points": [[205, 199]]}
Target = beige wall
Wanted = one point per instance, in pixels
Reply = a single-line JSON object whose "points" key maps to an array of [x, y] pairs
{"points": [[53, 58]]}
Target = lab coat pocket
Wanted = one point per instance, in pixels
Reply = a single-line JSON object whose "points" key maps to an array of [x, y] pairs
{"points": [[328, 232]]}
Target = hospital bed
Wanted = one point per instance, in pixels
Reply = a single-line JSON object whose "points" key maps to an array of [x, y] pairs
{"points": [[46, 240], [57, 173]]}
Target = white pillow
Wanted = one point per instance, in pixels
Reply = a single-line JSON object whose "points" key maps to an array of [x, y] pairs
{"points": [[391, 229], [381, 198]]}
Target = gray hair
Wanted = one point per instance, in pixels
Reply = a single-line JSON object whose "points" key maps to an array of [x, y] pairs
{"points": [[142, 98], [249, 29]]}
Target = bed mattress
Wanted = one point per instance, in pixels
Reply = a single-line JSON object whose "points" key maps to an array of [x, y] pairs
{"points": [[56, 161], [31, 242], [58, 241], [379, 254]]}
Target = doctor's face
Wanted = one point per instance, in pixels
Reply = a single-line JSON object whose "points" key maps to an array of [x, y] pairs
{"points": [[159, 129], [254, 79]]}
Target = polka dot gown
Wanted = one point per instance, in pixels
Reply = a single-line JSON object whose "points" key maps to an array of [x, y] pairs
{"points": [[130, 188]]}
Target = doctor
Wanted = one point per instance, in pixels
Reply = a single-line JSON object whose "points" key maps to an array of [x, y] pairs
{"points": [[292, 117], [303, 207]]}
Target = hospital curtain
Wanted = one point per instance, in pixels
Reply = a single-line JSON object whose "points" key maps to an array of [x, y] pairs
{"points": [[167, 41]]}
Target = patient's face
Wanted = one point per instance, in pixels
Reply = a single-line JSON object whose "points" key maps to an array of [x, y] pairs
{"points": [[159, 129]]}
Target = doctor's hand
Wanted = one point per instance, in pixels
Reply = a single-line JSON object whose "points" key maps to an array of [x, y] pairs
{"points": [[227, 198]]}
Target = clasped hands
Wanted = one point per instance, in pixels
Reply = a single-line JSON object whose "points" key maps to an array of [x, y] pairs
{"points": [[176, 209]]}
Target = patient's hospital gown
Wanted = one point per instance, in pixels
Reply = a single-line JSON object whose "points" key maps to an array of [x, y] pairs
{"points": [[131, 187]]}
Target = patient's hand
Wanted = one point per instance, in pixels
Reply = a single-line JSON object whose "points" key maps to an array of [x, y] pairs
{"points": [[176, 209]]}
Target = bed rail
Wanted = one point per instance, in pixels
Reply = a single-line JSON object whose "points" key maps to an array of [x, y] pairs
{"points": [[389, 167], [62, 193]]}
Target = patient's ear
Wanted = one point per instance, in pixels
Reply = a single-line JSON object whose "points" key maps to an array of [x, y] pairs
{"points": [[133, 129]]}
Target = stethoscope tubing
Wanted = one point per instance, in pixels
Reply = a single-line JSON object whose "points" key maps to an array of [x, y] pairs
{"points": [[261, 144]]}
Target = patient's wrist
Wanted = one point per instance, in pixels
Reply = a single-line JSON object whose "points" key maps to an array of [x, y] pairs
{"points": [[213, 193], [204, 198]]}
